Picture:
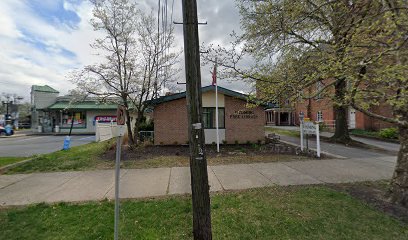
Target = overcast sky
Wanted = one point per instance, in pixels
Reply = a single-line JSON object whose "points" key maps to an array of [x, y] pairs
{"points": [[43, 40]]}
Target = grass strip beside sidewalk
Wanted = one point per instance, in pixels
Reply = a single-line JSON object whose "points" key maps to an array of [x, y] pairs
{"points": [[265, 213], [4, 161], [91, 157], [83, 157], [291, 133]]}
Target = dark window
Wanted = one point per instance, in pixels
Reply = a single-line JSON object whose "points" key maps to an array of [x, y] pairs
{"points": [[209, 117]]}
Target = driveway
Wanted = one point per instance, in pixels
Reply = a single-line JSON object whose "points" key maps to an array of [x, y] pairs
{"points": [[27, 146], [345, 151]]}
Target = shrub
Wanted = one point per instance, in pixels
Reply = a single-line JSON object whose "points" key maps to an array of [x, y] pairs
{"points": [[388, 133], [224, 142], [147, 126], [236, 142], [323, 127], [175, 143], [248, 142]]}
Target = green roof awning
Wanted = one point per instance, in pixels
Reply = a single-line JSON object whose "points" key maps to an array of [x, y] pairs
{"points": [[44, 88], [83, 106]]}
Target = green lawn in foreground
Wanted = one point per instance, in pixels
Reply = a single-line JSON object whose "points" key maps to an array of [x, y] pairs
{"points": [[9, 160], [267, 213]]}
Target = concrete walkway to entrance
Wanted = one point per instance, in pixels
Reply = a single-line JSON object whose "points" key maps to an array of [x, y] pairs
{"points": [[21, 189]]}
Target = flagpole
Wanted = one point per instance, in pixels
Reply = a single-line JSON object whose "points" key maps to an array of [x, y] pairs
{"points": [[216, 109]]}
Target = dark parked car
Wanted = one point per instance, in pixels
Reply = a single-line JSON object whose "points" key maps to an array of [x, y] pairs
{"points": [[3, 131]]}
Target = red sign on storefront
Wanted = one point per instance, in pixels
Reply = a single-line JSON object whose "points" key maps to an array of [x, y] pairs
{"points": [[105, 119]]}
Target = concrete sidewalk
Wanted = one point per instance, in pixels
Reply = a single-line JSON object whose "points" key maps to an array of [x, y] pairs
{"points": [[24, 189]]}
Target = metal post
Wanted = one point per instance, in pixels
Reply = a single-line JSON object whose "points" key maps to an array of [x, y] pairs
{"points": [[307, 141], [117, 175], [317, 141], [216, 117], [301, 136]]}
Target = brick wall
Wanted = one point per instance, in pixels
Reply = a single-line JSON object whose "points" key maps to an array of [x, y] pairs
{"points": [[376, 124], [243, 129], [170, 123], [325, 105]]}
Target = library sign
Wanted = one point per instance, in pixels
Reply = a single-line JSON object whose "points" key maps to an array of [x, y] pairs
{"points": [[244, 114]]}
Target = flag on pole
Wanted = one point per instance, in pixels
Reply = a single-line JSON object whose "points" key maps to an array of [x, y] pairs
{"points": [[214, 75]]}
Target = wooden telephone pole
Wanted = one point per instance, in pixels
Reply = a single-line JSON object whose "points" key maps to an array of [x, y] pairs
{"points": [[198, 162]]}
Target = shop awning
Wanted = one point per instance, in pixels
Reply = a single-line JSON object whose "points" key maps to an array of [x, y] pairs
{"points": [[83, 106]]}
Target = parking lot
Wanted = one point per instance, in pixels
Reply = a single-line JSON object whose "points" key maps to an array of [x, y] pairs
{"points": [[26, 146]]}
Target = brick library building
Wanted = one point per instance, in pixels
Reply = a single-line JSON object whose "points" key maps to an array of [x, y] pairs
{"points": [[237, 122]]}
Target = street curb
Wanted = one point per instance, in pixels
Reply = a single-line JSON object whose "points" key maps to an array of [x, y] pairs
{"points": [[313, 149], [15, 136], [364, 146], [376, 138], [4, 168]]}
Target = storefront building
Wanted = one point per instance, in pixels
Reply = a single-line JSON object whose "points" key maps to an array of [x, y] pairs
{"points": [[238, 123], [51, 113]]}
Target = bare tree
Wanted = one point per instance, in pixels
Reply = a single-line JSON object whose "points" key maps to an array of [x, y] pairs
{"points": [[156, 64], [137, 59]]}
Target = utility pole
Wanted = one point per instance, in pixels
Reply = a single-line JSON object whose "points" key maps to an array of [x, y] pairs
{"points": [[198, 162]]}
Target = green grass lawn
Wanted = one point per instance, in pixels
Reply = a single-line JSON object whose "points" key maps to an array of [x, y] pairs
{"points": [[83, 157], [292, 133], [267, 213], [184, 161], [9, 160], [89, 157]]}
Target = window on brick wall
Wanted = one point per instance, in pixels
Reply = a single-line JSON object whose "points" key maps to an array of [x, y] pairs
{"points": [[319, 116], [319, 87], [209, 117]]}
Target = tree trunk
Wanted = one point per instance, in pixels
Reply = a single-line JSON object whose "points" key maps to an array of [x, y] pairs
{"points": [[341, 133], [137, 127], [309, 108], [399, 184], [129, 127]]}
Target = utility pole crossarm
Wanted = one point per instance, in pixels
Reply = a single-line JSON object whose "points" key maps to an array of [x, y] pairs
{"points": [[192, 23]]}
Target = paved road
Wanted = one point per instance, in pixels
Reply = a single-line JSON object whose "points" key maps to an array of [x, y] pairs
{"points": [[21, 189], [341, 150], [36, 144], [380, 144], [338, 149]]}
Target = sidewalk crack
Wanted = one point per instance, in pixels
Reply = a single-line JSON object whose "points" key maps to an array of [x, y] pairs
{"points": [[168, 182], [216, 177], [28, 175], [263, 175], [315, 178], [113, 183]]}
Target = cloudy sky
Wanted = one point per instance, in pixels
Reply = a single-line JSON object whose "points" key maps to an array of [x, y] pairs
{"points": [[41, 41]]}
